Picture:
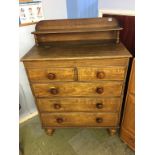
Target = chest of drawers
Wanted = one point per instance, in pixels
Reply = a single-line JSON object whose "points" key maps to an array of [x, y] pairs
{"points": [[78, 85]]}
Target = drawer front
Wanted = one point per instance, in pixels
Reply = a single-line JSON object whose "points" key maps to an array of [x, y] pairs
{"points": [[79, 119], [78, 89], [101, 73], [79, 104], [51, 74]]}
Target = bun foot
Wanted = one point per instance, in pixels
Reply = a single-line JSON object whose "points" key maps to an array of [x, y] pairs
{"points": [[49, 132], [112, 131]]}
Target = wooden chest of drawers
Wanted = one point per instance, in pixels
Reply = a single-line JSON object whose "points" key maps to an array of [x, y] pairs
{"points": [[78, 85], [78, 91]]}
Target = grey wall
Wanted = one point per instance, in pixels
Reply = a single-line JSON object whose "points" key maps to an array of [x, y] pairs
{"points": [[26, 100], [117, 4], [53, 9]]}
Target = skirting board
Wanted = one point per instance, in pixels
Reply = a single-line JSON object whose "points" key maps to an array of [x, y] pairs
{"points": [[22, 120]]}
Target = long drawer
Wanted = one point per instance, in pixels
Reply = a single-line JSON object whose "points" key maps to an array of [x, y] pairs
{"points": [[110, 88], [79, 119], [79, 104]]}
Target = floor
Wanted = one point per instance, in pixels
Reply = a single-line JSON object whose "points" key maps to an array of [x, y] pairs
{"points": [[34, 141]]}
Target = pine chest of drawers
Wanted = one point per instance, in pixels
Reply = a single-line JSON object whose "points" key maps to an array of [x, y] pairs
{"points": [[78, 85]]}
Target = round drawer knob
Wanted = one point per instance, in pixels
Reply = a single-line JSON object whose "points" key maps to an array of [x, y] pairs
{"points": [[57, 105], [59, 120], [99, 90], [54, 91], [51, 76], [99, 105], [99, 120], [100, 75]]}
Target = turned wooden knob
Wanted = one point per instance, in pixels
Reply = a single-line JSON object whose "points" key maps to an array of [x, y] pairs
{"points": [[99, 105], [99, 90], [54, 91], [57, 105], [51, 76], [99, 120], [100, 75], [60, 120]]}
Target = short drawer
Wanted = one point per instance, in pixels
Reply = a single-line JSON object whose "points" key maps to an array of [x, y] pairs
{"points": [[51, 74], [79, 104], [77, 89], [79, 119], [101, 73]]}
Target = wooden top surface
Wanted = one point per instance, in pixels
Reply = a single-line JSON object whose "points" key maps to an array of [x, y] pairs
{"points": [[72, 52]]}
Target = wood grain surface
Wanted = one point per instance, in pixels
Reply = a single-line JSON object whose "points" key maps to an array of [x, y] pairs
{"points": [[107, 73], [76, 63], [60, 74], [77, 89], [77, 72], [79, 119], [49, 31], [79, 104], [128, 123], [76, 24], [86, 51]]}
